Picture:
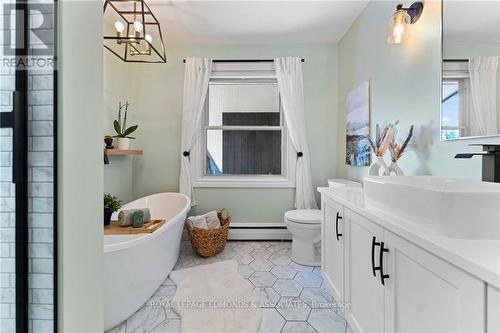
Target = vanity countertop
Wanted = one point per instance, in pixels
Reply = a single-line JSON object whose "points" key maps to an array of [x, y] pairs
{"points": [[480, 258]]}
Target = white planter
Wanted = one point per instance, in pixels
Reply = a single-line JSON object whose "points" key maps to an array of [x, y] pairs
{"points": [[123, 143], [378, 167]]}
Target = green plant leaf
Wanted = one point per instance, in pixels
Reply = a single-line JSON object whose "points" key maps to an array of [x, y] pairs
{"points": [[111, 203], [130, 130], [117, 127]]}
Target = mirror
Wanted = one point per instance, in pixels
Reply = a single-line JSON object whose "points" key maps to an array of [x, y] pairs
{"points": [[470, 88]]}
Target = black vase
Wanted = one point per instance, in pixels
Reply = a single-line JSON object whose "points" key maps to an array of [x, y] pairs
{"points": [[107, 217]]}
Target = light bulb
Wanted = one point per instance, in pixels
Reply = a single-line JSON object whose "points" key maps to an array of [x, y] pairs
{"points": [[137, 26], [119, 26], [398, 25], [148, 38]]}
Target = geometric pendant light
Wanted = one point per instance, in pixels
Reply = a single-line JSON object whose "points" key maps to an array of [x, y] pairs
{"points": [[135, 34]]}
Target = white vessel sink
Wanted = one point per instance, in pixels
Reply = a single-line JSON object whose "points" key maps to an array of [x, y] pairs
{"points": [[452, 207]]}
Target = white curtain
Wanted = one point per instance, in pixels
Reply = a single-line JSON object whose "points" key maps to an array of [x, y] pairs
{"points": [[196, 76], [483, 84], [291, 86]]}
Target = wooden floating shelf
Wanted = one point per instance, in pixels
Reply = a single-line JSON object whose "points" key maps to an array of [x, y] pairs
{"points": [[128, 152]]}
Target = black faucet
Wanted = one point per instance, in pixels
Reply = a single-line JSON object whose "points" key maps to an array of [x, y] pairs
{"points": [[491, 162]]}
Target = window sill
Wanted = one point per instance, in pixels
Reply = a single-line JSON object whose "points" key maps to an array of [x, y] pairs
{"points": [[245, 182]]}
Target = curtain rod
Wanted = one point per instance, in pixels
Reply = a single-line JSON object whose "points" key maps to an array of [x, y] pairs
{"points": [[242, 60], [455, 60]]}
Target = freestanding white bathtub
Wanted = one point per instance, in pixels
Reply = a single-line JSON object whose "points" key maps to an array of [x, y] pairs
{"points": [[136, 265]]}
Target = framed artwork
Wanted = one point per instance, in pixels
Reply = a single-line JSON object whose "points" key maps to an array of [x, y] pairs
{"points": [[358, 152]]}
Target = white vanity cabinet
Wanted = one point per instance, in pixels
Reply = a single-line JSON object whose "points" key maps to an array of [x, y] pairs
{"points": [[393, 285], [364, 292], [424, 293], [493, 305], [332, 242]]}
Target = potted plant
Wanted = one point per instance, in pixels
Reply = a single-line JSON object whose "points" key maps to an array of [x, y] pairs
{"points": [[111, 205], [122, 132]]}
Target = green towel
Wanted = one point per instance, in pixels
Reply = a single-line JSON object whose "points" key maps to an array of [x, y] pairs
{"points": [[138, 219], [126, 216]]}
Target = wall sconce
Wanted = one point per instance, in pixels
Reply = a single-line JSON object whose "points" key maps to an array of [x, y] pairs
{"points": [[134, 25], [402, 17]]}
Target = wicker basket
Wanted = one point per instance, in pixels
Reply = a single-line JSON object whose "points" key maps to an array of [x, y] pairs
{"points": [[209, 242]]}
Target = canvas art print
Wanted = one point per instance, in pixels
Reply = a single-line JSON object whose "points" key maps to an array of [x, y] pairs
{"points": [[358, 126]]}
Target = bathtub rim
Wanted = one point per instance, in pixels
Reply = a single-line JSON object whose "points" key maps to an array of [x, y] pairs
{"points": [[142, 238]]}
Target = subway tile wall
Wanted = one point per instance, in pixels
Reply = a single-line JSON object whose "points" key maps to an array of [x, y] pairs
{"points": [[41, 202], [7, 204]]}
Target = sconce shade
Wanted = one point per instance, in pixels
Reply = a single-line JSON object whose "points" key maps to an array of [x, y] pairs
{"points": [[398, 26], [133, 33], [401, 20]]}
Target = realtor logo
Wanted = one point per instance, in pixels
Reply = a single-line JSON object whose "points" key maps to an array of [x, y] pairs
{"points": [[31, 49]]}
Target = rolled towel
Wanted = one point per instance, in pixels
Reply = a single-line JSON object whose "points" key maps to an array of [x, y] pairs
{"points": [[126, 216], [198, 221], [212, 220]]}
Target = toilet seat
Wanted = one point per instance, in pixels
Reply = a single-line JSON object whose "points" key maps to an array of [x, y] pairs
{"points": [[304, 216]]}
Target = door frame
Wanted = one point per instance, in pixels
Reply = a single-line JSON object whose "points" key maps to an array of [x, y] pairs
{"points": [[20, 167]]}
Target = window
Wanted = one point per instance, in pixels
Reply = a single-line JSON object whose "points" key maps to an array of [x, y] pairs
{"points": [[243, 140], [455, 104], [450, 109]]}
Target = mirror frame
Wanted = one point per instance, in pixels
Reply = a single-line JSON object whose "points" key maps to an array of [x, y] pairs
{"points": [[441, 90]]}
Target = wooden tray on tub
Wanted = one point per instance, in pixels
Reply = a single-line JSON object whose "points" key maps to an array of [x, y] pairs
{"points": [[114, 228]]}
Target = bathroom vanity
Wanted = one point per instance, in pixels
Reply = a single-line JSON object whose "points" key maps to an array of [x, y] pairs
{"points": [[390, 254]]}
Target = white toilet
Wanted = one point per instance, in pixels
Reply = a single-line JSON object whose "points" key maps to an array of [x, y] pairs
{"points": [[305, 227]]}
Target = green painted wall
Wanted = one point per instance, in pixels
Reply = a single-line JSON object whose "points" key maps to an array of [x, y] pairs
{"points": [[405, 85], [118, 87], [80, 170], [157, 105]]}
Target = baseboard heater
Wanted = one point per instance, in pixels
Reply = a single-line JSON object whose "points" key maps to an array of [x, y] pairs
{"points": [[255, 231]]}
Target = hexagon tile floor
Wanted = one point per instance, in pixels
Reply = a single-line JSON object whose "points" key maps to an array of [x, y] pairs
{"points": [[293, 298]]}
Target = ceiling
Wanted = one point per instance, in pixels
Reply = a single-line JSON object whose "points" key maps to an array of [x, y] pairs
{"points": [[254, 22], [471, 21]]}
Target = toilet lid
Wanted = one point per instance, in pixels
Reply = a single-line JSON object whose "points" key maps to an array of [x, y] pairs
{"points": [[309, 216]]}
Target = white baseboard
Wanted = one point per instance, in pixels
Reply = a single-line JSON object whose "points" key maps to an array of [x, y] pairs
{"points": [[255, 231]]}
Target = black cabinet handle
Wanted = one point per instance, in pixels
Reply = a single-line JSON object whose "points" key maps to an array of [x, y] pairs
{"points": [[337, 226], [374, 268], [382, 275]]}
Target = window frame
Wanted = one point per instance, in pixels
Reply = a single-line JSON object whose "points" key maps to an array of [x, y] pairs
{"points": [[198, 159], [457, 70], [463, 91]]}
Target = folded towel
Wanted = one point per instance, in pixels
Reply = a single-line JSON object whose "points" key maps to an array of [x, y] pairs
{"points": [[198, 221], [126, 216], [209, 220], [212, 220]]}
